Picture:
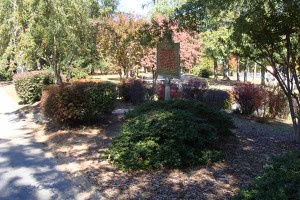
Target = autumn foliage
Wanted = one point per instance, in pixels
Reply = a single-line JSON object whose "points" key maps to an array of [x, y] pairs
{"points": [[190, 45], [79, 102]]}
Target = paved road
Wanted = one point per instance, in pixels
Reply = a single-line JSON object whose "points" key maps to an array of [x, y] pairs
{"points": [[25, 172]]}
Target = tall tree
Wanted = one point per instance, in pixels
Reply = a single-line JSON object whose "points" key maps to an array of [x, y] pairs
{"points": [[61, 32], [118, 41], [270, 27], [166, 7], [190, 44], [273, 28]]}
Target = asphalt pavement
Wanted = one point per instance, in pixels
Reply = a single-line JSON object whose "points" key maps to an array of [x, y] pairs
{"points": [[26, 173]]}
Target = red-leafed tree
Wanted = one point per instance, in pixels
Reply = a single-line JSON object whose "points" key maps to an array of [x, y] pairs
{"points": [[119, 42], [190, 44]]}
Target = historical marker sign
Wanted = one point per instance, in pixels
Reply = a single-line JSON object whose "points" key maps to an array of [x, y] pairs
{"points": [[168, 58]]}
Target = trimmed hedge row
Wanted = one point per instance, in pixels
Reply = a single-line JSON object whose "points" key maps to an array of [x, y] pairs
{"points": [[174, 134], [78, 102], [29, 85]]}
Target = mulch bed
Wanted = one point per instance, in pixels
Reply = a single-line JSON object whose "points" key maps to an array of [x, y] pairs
{"points": [[245, 155]]}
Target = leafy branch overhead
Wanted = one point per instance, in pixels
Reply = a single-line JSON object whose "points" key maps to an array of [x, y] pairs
{"points": [[266, 32]]}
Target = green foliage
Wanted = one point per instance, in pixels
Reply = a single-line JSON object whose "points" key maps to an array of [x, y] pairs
{"points": [[166, 7], [79, 73], [118, 41], [78, 103], [29, 85], [175, 134], [279, 181], [204, 68], [218, 99], [62, 33], [5, 75], [206, 73]]}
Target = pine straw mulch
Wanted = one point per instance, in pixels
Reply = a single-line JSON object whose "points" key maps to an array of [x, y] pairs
{"points": [[245, 155]]}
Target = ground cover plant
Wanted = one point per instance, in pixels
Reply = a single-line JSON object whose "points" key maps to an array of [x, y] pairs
{"points": [[79, 102], [280, 180], [29, 85], [176, 134]]}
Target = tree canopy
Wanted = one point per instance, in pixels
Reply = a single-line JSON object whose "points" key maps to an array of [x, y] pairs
{"points": [[61, 33], [267, 32]]}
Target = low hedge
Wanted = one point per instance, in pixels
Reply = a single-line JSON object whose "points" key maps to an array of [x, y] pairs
{"points": [[132, 91], [29, 85], [218, 99], [279, 181], [79, 102], [174, 134]]}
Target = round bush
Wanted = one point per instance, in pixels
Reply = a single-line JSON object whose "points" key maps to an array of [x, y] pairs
{"points": [[249, 96], [169, 134], [29, 85], [132, 90], [78, 102], [218, 99], [280, 180], [206, 73]]}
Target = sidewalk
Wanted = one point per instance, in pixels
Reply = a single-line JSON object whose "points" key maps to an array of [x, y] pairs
{"points": [[25, 170]]}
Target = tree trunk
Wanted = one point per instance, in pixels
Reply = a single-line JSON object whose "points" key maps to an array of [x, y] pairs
{"points": [[125, 71], [254, 71], [246, 71], [238, 69], [298, 129], [92, 71], [215, 69], [263, 76], [224, 70], [295, 119], [57, 77]]}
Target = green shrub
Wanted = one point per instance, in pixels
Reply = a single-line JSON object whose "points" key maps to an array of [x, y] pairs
{"points": [[279, 181], [5, 75], [206, 73], [29, 85], [132, 91], [174, 134], [204, 68], [79, 73], [219, 119], [78, 102], [218, 99]]}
